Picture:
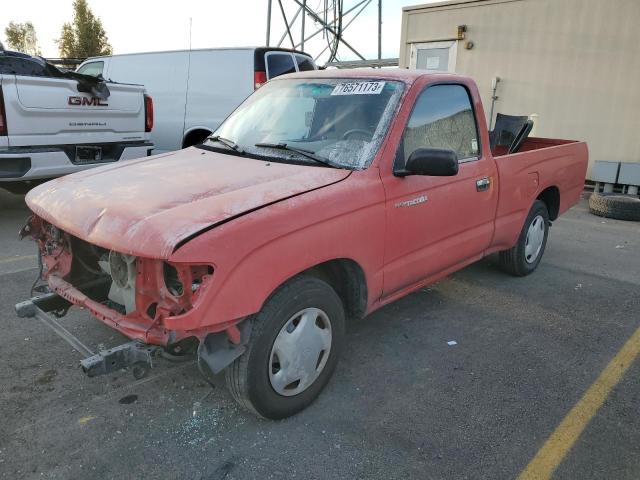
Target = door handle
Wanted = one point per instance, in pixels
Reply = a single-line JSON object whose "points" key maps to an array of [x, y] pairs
{"points": [[483, 184]]}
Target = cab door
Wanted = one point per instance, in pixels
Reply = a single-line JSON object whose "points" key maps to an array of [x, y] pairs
{"points": [[437, 223]]}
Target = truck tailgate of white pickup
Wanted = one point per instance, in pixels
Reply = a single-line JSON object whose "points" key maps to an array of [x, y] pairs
{"points": [[48, 127]]}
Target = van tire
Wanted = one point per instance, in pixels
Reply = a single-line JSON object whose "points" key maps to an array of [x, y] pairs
{"points": [[249, 377], [518, 261], [20, 188], [615, 205]]}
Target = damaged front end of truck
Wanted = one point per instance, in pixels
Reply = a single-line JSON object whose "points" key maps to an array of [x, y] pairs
{"points": [[145, 299]]}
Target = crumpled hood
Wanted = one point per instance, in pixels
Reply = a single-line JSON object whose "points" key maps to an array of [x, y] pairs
{"points": [[145, 207]]}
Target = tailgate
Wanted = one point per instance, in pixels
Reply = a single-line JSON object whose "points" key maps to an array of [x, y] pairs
{"points": [[51, 111], [4, 139]]}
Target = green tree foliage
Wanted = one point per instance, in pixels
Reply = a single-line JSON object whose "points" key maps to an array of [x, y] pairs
{"points": [[83, 36], [22, 37]]}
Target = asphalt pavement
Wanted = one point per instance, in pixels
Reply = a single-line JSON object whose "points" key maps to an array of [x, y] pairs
{"points": [[403, 403]]}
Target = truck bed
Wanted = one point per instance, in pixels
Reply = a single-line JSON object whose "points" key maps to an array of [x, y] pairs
{"points": [[542, 166], [533, 143]]}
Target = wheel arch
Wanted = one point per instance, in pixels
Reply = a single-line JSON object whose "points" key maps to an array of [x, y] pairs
{"points": [[550, 196], [348, 279], [345, 276]]}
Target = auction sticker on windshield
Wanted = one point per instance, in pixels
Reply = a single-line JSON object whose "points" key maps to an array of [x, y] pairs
{"points": [[358, 88]]}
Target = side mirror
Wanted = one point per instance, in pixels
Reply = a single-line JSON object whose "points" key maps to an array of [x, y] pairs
{"points": [[435, 162]]}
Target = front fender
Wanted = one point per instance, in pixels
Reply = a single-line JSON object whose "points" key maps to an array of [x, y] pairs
{"points": [[254, 254]]}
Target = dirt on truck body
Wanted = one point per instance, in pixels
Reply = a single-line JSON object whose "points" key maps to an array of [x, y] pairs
{"points": [[323, 197]]}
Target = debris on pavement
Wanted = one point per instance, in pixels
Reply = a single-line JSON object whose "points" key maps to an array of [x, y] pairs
{"points": [[87, 419], [128, 399]]}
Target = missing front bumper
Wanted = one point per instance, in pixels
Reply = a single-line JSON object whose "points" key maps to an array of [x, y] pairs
{"points": [[217, 350], [136, 355]]}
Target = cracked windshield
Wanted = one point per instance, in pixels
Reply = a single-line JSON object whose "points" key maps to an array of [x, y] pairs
{"points": [[338, 122]]}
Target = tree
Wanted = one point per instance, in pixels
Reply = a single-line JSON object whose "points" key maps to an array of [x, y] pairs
{"points": [[22, 37], [83, 36]]}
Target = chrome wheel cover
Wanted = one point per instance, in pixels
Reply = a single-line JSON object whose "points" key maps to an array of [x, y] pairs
{"points": [[300, 352], [535, 239]]}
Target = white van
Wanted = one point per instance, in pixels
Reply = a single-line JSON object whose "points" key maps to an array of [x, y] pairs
{"points": [[193, 91]]}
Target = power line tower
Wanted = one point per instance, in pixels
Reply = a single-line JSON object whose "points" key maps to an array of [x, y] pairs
{"points": [[320, 26]]}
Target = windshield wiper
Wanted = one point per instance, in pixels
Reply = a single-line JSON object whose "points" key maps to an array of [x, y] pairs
{"points": [[225, 141], [301, 151]]}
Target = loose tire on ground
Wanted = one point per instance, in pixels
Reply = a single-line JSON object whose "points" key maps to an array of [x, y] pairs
{"points": [[250, 377], [526, 254], [615, 205]]}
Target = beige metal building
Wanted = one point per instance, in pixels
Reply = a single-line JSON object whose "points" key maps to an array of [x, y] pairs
{"points": [[575, 64]]}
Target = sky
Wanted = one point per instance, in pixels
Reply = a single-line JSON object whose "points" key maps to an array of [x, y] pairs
{"points": [[148, 25]]}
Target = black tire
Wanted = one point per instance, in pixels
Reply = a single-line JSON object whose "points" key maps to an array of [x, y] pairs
{"points": [[615, 205], [247, 377], [23, 187], [17, 188], [514, 261]]}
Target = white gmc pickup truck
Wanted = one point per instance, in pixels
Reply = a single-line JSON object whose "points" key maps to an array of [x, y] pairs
{"points": [[54, 122]]}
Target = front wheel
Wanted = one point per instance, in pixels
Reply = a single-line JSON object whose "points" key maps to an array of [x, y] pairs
{"points": [[524, 257], [294, 347]]}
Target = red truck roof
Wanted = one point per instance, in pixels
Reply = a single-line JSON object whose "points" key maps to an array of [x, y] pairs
{"points": [[399, 74]]}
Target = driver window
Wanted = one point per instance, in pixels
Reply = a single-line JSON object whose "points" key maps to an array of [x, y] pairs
{"points": [[442, 118]]}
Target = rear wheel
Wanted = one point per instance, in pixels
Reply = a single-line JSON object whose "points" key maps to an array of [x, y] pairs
{"points": [[523, 258], [293, 350]]}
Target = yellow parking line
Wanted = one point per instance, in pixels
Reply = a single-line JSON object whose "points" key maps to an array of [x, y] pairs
{"points": [[16, 259], [567, 433]]}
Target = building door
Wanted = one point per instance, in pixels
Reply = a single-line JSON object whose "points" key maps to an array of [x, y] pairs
{"points": [[434, 56]]}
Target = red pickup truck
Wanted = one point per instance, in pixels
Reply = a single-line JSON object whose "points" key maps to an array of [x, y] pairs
{"points": [[323, 197]]}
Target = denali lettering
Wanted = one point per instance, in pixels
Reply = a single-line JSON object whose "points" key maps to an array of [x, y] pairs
{"points": [[93, 101], [90, 124]]}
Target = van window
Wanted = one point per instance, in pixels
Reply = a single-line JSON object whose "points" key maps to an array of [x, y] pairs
{"points": [[442, 118], [279, 64], [92, 68], [305, 63]]}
